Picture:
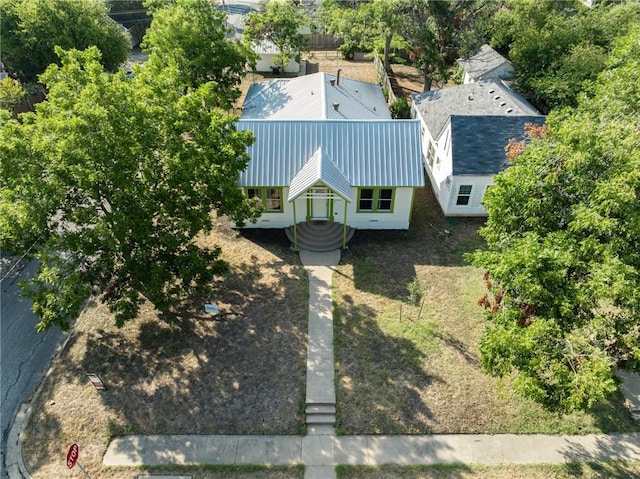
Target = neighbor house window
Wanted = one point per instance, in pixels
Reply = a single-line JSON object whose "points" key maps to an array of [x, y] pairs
{"points": [[375, 200], [271, 198], [431, 153], [464, 194]]}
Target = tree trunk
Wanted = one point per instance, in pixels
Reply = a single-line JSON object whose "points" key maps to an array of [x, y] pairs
{"points": [[426, 78], [387, 49]]}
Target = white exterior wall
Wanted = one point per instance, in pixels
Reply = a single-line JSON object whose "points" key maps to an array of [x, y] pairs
{"points": [[442, 167], [479, 186], [398, 220], [265, 62]]}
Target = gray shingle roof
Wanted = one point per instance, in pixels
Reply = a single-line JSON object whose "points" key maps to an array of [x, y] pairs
{"points": [[482, 62], [478, 141], [486, 98], [312, 97]]}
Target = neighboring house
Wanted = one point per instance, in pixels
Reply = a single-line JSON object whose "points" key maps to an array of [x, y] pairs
{"points": [[464, 132], [486, 64], [267, 52], [328, 153]]}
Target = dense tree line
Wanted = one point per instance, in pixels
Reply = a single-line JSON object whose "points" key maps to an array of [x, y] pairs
{"points": [[113, 178], [563, 256]]}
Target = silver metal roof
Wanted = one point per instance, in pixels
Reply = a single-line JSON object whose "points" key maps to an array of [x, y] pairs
{"points": [[320, 168], [318, 96], [368, 153]]}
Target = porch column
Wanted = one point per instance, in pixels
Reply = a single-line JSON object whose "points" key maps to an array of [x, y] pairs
{"points": [[295, 226], [344, 226]]}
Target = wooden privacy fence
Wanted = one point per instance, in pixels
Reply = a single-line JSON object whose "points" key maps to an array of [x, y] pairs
{"points": [[383, 79]]}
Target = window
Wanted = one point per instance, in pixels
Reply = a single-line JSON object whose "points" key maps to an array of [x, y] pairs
{"points": [[464, 194], [375, 200], [431, 154], [385, 197], [274, 203], [365, 203], [271, 198]]}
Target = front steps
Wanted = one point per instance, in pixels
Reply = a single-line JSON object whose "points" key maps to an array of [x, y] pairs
{"points": [[320, 236], [319, 415]]}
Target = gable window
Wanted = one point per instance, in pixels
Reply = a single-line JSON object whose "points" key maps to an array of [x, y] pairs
{"points": [[464, 195], [375, 200], [431, 153], [270, 198]]}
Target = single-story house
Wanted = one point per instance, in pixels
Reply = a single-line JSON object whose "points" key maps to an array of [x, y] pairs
{"points": [[327, 151], [266, 62], [464, 131], [486, 64]]}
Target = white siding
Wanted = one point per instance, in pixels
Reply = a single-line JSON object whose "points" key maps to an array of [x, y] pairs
{"points": [[398, 220], [265, 62], [478, 185]]}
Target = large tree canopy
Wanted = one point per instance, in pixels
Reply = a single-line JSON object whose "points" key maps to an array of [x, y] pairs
{"points": [[365, 25], [30, 29], [563, 256], [190, 37], [558, 45], [280, 23], [114, 178]]}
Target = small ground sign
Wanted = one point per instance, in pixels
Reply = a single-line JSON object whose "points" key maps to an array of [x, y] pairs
{"points": [[96, 381]]}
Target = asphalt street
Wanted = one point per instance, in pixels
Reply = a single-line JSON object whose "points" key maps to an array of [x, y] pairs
{"points": [[24, 353]]}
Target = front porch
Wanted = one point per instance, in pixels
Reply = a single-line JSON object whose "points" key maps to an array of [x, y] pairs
{"points": [[320, 235]]}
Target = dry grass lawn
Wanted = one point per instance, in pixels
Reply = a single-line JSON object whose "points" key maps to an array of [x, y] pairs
{"points": [[241, 372], [415, 369]]}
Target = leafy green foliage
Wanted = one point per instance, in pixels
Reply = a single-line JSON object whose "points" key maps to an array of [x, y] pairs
{"points": [[558, 46], [11, 93], [115, 178], [415, 291], [563, 237], [280, 24], [31, 29], [187, 40], [400, 108]]}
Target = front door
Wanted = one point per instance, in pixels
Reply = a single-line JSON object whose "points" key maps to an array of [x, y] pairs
{"points": [[319, 203]]}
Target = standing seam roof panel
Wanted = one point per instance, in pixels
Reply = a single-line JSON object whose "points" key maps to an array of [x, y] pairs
{"points": [[369, 153]]}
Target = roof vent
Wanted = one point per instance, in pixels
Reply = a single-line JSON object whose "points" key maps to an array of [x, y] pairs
{"points": [[333, 82], [503, 103], [335, 106], [470, 97], [497, 97], [491, 91], [509, 110]]}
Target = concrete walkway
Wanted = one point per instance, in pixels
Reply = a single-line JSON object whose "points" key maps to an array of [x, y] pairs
{"points": [[320, 450]]}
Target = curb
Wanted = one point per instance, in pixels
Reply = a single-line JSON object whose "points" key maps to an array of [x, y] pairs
{"points": [[14, 462]]}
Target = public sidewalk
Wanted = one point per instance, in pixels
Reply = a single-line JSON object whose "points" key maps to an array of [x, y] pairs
{"points": [[321, 450]]}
